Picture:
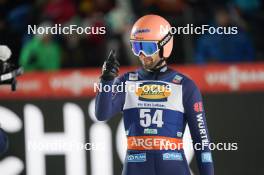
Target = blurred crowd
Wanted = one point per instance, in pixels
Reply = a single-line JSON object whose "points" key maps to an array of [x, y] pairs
{"points": [[52, 52]]}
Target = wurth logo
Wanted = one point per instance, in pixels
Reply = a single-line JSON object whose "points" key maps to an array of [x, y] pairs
{"points": [[202, 128]]}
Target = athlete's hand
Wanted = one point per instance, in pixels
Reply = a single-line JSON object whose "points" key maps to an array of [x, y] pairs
{"points": [[111, 67]]}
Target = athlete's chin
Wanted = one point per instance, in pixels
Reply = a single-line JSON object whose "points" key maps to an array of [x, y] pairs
{"points": [[148, 66]]}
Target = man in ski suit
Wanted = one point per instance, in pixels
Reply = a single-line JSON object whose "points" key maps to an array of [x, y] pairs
{"points": [[157, 111]]}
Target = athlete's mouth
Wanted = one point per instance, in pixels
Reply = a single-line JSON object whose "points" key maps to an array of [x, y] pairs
{"points": [[148, 60]]}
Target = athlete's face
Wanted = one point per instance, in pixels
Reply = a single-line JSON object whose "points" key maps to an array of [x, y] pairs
{"points": [[149, 62]]}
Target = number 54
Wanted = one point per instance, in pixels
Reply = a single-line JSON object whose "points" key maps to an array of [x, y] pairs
{"points": [[146, 119]]}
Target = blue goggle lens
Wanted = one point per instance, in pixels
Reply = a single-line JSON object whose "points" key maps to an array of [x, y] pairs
{"points": [[148, 48]]}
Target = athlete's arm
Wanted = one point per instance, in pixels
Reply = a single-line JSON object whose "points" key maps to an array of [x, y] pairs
{"points": [[3, 141], [107, 104], [196, 120]]}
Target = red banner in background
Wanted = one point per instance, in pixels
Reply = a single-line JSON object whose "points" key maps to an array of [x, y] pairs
{"points": [[227, 78], [210, 78]]}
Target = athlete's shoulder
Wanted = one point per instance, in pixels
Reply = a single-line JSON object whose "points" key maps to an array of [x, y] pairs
{"points": [[189, 85], [178, 77], [184, 80]]}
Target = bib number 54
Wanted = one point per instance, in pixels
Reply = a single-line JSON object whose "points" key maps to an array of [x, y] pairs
{"points": [[146, 119]]}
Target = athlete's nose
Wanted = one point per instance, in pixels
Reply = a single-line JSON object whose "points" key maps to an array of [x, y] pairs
{"points": [[142, 55]]}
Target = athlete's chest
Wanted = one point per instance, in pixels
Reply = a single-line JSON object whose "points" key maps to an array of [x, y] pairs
{"points": [[154, 94]]}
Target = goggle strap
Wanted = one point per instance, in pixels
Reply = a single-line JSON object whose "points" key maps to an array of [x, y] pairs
{"points": [[164, 40]]}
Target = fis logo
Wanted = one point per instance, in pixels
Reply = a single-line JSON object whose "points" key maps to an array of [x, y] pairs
{"points": [[153, 91]]}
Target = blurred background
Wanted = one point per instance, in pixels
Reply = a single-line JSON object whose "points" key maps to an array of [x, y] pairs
{"points": [[54, 103], [76, 51]]}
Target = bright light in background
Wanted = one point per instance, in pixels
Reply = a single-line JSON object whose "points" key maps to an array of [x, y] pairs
{"points": [[101, 137], [11, 123], [74, 132]]}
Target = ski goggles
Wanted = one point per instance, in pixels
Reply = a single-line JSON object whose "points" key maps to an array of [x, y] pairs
{"points": [[148, 48]]}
